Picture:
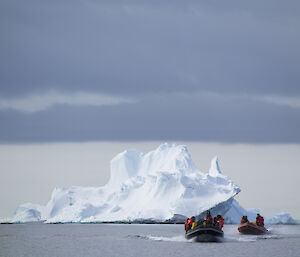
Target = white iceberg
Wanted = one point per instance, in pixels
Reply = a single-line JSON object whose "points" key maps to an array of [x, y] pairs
{"points": [[28, 212], [161, 185], [281, 218], [234, 214]]}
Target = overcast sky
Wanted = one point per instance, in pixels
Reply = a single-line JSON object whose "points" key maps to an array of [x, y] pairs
{"points": [[150, 70], [135, 71]]}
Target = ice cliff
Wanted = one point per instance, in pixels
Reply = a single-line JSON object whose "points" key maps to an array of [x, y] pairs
{"points": [[163, 184]]}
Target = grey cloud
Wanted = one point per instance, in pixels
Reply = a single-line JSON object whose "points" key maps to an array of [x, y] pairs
{"points": [[161, 52], [293, 102], [39, 102], [144, 47], [208, 117]]}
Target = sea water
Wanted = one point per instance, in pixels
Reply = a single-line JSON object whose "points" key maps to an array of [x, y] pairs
{"points": [[109, 240]]}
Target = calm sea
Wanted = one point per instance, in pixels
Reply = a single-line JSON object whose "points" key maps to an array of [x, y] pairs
{"points": [[107, 240]]}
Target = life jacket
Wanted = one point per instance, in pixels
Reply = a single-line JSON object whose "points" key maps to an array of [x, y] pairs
{"points": [[257, 220], [189, 223], [194, 224], [208, 219], [186, 226], [261, 221], [221, 222]]}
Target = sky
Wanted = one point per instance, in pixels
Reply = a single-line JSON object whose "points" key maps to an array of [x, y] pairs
{"points": [[148, 71]]}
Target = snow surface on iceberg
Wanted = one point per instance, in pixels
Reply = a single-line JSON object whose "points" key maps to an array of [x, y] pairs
{"points": [[157, 185]]}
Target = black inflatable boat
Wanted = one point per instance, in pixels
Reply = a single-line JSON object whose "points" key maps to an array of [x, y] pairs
{"points": [[205, 233]]}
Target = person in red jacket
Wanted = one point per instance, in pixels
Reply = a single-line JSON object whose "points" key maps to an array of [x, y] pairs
{"points": [[220, 221], [260, 220], [208, 219], [186, 225], [189, 222], [244, 219]]}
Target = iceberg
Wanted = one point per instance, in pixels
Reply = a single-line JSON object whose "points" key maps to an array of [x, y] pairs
{"points": [[28, 212], [162, 185], [281, 218], [236, 211]]}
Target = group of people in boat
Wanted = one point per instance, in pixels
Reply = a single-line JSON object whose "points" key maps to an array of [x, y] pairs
{"points": [[259, 220], [217, 221]]}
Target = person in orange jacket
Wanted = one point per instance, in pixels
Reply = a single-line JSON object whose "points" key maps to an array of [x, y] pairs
{"points": [[220, 221], [208, 219], [260, 220]]}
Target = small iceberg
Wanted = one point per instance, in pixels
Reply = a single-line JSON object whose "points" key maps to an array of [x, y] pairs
{"points": [[281, 218]]}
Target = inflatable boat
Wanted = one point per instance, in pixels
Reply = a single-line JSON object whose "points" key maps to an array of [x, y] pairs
{"points": [[251, 229], [205, 233]]}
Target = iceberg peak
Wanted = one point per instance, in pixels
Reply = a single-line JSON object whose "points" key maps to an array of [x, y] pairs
{"points": [[124, 166], [214, 170]]}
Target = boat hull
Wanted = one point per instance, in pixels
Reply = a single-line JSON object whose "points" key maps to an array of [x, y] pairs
{"points": [[252, 229], [205, 233]]}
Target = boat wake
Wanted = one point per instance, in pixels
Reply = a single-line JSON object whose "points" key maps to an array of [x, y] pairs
{"points": [[249, 238], [232, 235], [225, 239], [168, 239], [179, 238]]}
